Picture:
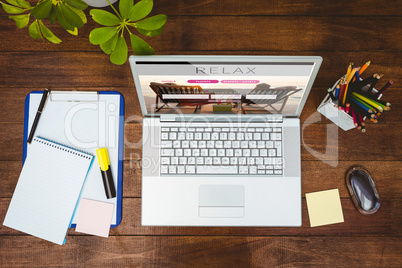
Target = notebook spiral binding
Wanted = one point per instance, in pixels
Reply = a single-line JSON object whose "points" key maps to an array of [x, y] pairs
{"points": [[63, 147]]}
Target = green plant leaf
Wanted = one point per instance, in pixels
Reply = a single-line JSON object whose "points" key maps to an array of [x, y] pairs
{"points": [[119, 55], [152, 23], [20, 3], [48, 34], [52, 15], [151, 33], [73, 32], [21, 20], [140, 10], [62, 20], [140, 47], [101, 35], [42, 10], [34, 31], [110, 45], [104, 18], [78, 4], [79, 13], [125, 7], [71, 17], [11, 9]]}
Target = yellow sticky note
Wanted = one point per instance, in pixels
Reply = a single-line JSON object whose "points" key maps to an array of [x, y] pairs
{"points": [[324, 207]]}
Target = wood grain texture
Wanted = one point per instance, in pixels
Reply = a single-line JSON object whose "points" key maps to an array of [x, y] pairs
{"points": [[272, 7], [236, 33], [195, 251], [339, 31], [84, 69]]}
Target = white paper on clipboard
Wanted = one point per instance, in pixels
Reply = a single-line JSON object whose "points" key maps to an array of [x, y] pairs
{"points": [[85, 121]]}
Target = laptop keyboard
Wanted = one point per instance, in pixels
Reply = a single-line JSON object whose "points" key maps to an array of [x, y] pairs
{"points": [[221, 151]]}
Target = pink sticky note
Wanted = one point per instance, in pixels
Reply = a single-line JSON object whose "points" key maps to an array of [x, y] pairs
{"points": [[94, 217]]}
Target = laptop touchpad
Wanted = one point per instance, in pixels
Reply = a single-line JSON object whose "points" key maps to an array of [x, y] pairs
{"points": [[221, 201]]}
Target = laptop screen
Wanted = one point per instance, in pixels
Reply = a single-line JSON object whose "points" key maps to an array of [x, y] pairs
{"points": [[182, 87]]}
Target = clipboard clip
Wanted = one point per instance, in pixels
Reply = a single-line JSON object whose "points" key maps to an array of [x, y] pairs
{"points": [[75, 96]]}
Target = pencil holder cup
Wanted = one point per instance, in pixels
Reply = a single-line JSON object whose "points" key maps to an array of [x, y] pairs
{"points": [[339, 117]]}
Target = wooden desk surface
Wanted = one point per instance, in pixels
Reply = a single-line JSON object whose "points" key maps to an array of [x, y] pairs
{"points": [[339, 31]]}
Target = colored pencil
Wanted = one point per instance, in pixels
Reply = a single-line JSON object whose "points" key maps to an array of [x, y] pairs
{"points": [[331, 95], [350, 76], [345, 92], [383, 106], [347, 109], [367, 80], [358, 85], [342, 89], [360, 117], [362, 111], [369, 101], [364, 67], [357, 76], [359, 124], [383, 89], [337, 91], [354, 117], [386, 103], [362, 105], [349, 70], [372, 85]]}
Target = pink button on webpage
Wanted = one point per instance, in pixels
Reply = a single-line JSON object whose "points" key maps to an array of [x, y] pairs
{"points": [[203, 81], [240, 81]]}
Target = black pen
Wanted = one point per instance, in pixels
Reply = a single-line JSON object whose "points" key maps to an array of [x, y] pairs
{"points": [[38, 113]]}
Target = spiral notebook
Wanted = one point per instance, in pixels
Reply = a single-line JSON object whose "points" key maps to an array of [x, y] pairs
{"points": [[48, 190]]}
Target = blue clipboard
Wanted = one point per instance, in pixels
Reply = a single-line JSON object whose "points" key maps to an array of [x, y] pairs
{"points": [[29, 115]]}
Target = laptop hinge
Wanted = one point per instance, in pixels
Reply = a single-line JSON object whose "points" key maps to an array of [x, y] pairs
{"points": [[221, 118], [168, 118]]}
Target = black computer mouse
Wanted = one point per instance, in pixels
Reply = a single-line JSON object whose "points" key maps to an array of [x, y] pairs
{"points": [[363, 190]]}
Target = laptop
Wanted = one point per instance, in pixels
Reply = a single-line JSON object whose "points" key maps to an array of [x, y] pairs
{"points": [[221, 138]]}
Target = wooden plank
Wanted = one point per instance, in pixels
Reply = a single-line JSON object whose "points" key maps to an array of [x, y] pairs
{"points": [[238, 33], [325, 142], [277, 8], [13, 101], [195, 251], [385, 173], [11, 142], [271, 7], [328, 142], [81, 69], [385, 222]]}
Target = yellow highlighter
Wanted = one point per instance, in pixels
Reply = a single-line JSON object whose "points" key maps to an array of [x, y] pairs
{"points": [[104, 163]]}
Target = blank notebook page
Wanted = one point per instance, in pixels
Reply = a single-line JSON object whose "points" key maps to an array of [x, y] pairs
{"points": [[48, 190]]}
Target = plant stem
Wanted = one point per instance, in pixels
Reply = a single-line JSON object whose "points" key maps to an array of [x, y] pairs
{"points": [[128, 30], [117, 13]]}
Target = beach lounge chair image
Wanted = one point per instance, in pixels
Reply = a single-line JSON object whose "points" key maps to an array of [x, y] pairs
{"points": [[163, 89], [266, 96]]}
